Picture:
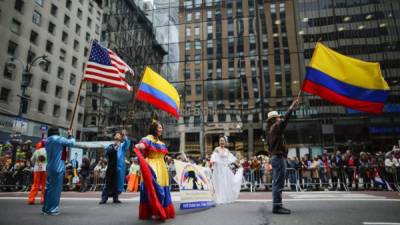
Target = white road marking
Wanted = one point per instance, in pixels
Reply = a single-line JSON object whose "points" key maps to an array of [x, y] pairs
{"points": [[177, 199], [380, 223]]}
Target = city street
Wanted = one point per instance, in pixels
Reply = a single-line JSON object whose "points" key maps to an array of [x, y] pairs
{"points": [[252, 208]]}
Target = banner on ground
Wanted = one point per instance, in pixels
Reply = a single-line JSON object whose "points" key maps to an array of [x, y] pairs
{"points": [[195, 185]]}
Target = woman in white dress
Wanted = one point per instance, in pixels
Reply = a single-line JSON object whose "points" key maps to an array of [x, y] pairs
{"points": [[226, 183]]}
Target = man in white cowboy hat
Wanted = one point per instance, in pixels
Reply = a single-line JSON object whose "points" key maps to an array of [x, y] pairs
{"points": [[276, 125]]}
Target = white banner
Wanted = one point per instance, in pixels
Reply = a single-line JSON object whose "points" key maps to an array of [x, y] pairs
{"points": [[195, 185]]}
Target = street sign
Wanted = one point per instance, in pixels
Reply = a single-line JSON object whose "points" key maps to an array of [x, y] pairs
{"points": [[44, 128], [20, 125]]}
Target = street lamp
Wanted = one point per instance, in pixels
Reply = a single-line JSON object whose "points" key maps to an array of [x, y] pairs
{"points": [[26, 75], [26, 80]]}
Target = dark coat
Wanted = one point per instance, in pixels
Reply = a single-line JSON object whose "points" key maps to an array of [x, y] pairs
{"points": [[275, 137], [112, 172]]}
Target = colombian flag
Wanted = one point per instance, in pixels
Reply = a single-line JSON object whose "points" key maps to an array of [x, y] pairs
{"points": [[346, 81], [155, 90]]}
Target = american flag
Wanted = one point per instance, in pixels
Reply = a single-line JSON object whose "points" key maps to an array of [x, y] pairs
{"points": [[105, 67]]}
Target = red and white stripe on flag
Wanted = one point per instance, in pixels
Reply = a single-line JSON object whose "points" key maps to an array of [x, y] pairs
{"points": [[105, 67]]}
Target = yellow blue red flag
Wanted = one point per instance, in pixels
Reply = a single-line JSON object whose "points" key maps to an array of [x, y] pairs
{"points": [[346, 81], [157, 91]]}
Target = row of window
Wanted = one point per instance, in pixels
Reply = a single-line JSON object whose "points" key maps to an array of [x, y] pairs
{"points": [[19, 5], [12, 48], [60, 74], [5, 94]]}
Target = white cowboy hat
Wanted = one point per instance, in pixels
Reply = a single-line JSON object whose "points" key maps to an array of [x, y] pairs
{"points": [[273, 114]]}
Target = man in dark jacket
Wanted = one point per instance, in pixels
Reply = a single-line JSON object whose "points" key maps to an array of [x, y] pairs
{"points": [[115, 154], [276, 141]]}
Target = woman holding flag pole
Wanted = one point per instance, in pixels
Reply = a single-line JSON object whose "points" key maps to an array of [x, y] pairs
{"points": [[155, 196]]}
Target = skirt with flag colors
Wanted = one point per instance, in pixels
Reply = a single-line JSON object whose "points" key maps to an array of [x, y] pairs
{"points": [[155, 195]]}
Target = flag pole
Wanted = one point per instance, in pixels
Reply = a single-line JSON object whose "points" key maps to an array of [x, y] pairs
{"points": [[141, 79], [80, 88]]}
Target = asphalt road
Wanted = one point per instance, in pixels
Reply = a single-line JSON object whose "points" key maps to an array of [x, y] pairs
{"points": [[251, 209]]}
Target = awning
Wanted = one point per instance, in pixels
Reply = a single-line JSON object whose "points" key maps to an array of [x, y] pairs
{"points": [[92, 144]]}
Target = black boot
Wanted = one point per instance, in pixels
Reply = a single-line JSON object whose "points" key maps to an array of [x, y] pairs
{"points": [[115, 200], [280, 210], [103, 201]]}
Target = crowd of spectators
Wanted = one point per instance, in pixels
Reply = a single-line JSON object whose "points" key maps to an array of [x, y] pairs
{"points": [[327, 171]]}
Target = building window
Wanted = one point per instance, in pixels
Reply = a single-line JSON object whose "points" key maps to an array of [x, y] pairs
{"points": [[87, 37], [5, 93], [81, 100], [12, 47], [52, 27], [66, 20], [62, 54], [94, 87], [7, 73], [78, 29], [36, 17], [56, 111], [72, 79], [187, 31], [80, 117], [93, 120], [90, 7], [189, 17], [68, 114], [187, 74], [68, 5], [58, 91], [34, 37], [41, 106], [198, 89], [19, 4], [31, 55], [49, 46], [15, 26], [74, 61], [85, 52], [70, 96], [188, 89], [47, 68], [60, 73], [97, 29], [89, 22], [94, 104], [53, 10], [76, 45], [64, 37], [39, 2], [43, 86], [79, 14]]}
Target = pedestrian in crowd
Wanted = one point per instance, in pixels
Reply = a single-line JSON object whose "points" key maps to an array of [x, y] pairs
{"points": [[55, 170], [292, 166], [39, 160], [246, 169], [305, 165], [115, 175], [315, 172], [275, 138], [268, 171], [325, 170], [340, 170], [365, 170], [84, 174], [155, 202], [334, 173], [96, 175], [134, 176]]}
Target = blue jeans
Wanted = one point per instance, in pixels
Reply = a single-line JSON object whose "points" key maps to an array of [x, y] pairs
{"points": [[278, 163]]}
